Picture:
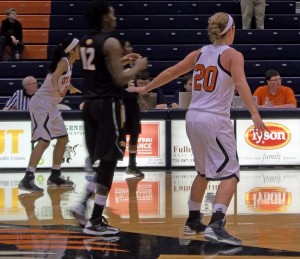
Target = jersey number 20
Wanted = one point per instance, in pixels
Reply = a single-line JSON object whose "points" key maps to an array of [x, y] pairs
{"points": [[208, 76]]}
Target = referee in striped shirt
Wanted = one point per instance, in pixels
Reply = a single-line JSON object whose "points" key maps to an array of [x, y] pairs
{"points": [[20, 99]]}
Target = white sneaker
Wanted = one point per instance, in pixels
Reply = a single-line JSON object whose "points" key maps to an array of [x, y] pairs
{"points": [[100, 229]]}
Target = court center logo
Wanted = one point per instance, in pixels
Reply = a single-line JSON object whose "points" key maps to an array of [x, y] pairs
{"points": [[278, 137]]}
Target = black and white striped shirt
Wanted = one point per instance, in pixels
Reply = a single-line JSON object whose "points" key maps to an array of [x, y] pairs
{"points": [[19, 101]]}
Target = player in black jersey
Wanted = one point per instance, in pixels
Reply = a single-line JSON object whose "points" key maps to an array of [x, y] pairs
{"points": [[103, 113], [133, 116]]}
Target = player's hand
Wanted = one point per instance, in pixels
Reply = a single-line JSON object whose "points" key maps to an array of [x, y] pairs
{"points": [[140, 90], [259, 125], [74, 90], [141, 63], [143, 104], [130, 58]]}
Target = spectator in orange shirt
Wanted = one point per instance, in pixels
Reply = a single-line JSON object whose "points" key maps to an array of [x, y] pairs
{"points": [[275, 95]]}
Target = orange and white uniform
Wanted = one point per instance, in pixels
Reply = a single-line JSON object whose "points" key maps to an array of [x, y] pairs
{"points": [[46, 120], [208, 124]]}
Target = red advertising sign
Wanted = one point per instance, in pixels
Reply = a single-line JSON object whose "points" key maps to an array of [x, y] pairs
{"points": [[148, 142], [147, 197]]}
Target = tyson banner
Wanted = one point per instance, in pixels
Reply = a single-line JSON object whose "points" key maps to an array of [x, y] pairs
{"points": [[278, 137], [268, 199], [278, 147], [270, 191]]}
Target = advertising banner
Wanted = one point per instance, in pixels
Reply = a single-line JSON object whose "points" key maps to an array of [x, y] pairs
{"points": [[181, 187], [15, 145], [130, 197], [181, 151], [266, 192], [151, 149], [280, 146], [138, 198], [75, 152], [54, 203]]}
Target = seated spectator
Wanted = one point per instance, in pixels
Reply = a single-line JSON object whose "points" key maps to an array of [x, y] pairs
{"points": [[142, 79], [20, 99], [275, 95], [11, 35], [187, 87]]}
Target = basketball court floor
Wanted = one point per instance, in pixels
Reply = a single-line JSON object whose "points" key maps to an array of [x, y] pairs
{"points": [[151, 212]]}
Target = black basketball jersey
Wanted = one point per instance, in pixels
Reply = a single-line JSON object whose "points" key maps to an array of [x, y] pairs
{"points": [[98, 80]]}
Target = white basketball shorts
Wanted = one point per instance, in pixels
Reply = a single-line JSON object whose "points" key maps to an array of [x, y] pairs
{"points": [[46, 120], [213, 144]]}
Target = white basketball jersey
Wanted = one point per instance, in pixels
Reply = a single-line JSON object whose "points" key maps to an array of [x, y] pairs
{"points": [[213, 86], [49, 93]]}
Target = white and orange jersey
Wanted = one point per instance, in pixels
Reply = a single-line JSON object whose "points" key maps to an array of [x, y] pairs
{"points": [[49, 93], [213, 86]]}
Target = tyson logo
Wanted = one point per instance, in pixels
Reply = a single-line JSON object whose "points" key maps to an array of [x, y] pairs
{"points": [[278, 137], [268, 199]]}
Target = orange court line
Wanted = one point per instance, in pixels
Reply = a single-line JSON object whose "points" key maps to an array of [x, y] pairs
{"points": [[38, 230], [51, 242], [33, 247], [52, 236]]}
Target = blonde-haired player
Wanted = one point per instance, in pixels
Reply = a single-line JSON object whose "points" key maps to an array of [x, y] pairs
{"points": [[217, 70]]}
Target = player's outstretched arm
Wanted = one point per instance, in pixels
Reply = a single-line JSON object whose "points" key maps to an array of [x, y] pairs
{"points": [[169, 74]]}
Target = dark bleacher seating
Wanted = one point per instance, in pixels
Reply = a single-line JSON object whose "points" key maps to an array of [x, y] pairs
{"points": [[68, 22], [278, 21], [254, 82], [288, 68], [165, 31], [157, 37], [68, 7], [144, 7], [195, 7], [269, 51], [259, 52], [252, 67], [72, 101], [197, 22], [10, 85], [199, 36]]}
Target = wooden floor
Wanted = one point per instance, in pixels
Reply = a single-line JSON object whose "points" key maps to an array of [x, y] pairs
{"points": [[151, 213]]}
